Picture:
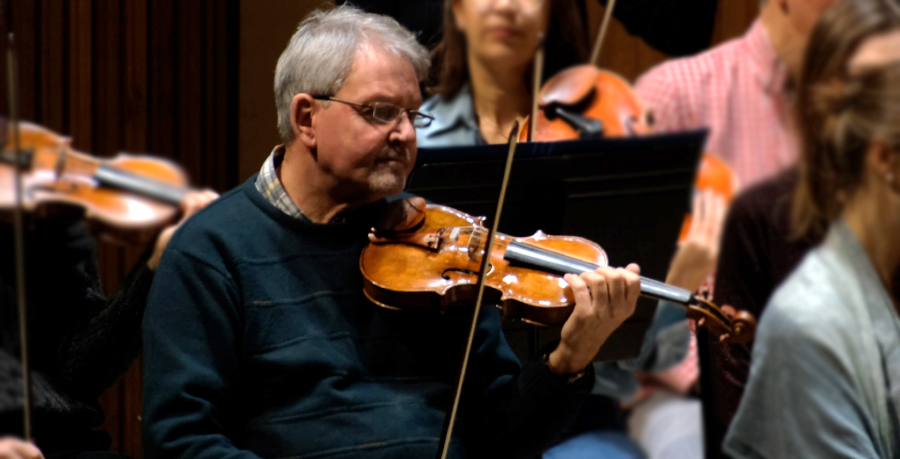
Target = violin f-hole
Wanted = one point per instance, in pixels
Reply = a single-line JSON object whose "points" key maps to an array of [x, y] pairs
{"points": [[446, 273]]}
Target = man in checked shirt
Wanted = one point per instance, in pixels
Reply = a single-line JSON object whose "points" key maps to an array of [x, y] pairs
{"points": [[739, 90]]}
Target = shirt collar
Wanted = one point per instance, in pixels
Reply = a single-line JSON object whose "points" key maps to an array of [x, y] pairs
{"points": [[771, 71], [269, 185], [454, 112]]}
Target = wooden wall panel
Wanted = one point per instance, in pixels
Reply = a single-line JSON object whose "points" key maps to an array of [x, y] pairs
{"points": [[266, 28], [141, 76]]}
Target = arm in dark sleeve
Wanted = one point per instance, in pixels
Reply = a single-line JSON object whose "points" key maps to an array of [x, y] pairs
{"points": [[674, 27], [743, 280], [102, 347], [104, 338], [525, 408], [191, 330]]}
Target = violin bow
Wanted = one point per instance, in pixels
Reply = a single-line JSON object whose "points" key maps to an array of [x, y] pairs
{"points": [[538, 68], [18, 236], [488, 247], [601, 34]]}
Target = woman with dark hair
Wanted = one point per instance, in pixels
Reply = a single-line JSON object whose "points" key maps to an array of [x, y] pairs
{"points": [[483, 65], [825, 374]]}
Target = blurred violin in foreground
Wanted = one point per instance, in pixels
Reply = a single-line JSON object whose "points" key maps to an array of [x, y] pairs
{"points": [[430, 258], [127, 198]]}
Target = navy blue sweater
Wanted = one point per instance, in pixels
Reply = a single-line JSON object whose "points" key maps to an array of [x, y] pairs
{"points": [[259, 342]]}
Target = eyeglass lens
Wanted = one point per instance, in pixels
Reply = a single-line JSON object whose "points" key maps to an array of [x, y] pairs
{"points": [[388, 113]]}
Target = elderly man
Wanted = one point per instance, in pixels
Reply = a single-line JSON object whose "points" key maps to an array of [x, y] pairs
{"points": [[259, 340]]}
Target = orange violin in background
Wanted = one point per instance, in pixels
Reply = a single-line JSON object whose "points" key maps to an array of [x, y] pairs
{"points": [[128, 198], [587, 102]]}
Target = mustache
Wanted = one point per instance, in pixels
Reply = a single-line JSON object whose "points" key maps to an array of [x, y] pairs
{"points": [[401, 153]]}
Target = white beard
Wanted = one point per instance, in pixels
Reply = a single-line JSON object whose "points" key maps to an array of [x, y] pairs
{"points": [[389, 177]]}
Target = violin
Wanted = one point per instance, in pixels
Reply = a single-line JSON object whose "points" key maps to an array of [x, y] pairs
{"points": [[128, 198], [586, 102], [431, 262]]}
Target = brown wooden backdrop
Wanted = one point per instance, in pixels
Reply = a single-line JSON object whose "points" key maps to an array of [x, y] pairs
{"points": [[192, 81], [140, 76]]}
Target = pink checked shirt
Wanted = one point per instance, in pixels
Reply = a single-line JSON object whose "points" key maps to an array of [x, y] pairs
{"points": [[737, 90]]}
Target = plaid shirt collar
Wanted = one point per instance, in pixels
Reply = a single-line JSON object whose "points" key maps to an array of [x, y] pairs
{"points": [[268, 184]]}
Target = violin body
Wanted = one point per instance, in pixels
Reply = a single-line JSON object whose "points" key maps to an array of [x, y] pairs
{"points": [[436, 268], [714, 174], [433, 265], [127, 198]]}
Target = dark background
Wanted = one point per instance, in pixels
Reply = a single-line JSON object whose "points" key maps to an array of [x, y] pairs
{"points": [[191, 81]]}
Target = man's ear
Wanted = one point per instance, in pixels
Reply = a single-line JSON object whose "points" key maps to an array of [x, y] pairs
{"points": [[302, 119]]}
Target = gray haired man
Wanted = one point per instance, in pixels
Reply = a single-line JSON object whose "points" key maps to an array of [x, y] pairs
{"points": [[258, 339]]}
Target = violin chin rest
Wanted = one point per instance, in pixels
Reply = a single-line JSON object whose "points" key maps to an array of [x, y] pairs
{"points": [[402, 216]]}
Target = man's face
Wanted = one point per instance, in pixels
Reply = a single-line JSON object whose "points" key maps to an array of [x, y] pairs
{"points": [[367, 158]]}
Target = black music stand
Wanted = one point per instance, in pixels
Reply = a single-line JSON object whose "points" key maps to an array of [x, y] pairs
{"points": [[628, 195]]}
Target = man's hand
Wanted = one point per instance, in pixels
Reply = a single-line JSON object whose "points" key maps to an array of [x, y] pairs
{"points": [[604, 298], [192, 203], [698, 254], [14, 448]]}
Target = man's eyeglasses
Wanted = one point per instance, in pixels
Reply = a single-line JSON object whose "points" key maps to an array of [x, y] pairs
{"points": [[387, 113]]}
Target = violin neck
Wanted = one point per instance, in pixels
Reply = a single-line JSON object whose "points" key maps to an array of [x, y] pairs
{"points": [[114, 177], [529, 256]]}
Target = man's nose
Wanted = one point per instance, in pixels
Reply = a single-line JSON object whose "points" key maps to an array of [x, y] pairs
{"points": [[404, 131]]}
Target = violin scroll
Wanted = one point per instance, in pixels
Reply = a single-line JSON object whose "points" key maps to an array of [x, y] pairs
{"points": [[735, 327]]}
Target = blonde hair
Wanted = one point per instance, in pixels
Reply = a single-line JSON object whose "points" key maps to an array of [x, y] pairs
{"points": [[840, 114]]}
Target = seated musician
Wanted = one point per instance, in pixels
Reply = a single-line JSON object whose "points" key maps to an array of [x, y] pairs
{"points": [[258, 339], [80, 339], [825, 371]]}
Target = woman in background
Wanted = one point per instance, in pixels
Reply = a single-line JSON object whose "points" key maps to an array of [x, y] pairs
{"points": [[825, 374], [484, 62]]}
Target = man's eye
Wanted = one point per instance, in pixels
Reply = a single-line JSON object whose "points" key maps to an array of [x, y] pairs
{"points": [[386, 113]]}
